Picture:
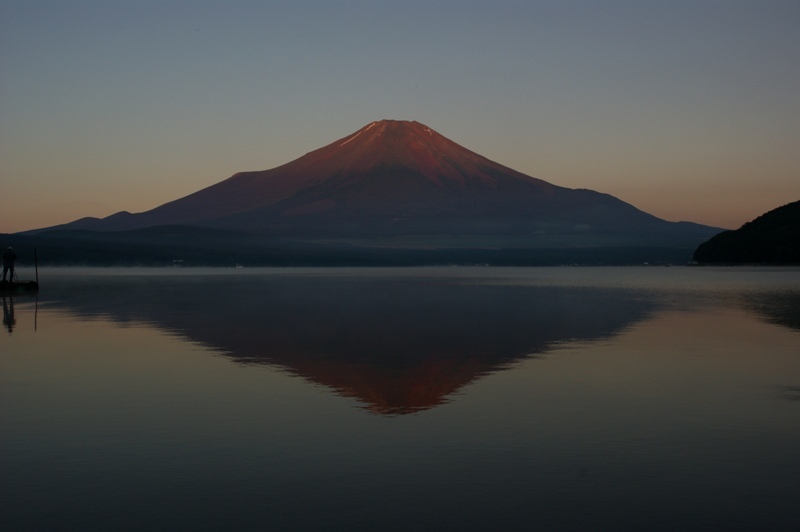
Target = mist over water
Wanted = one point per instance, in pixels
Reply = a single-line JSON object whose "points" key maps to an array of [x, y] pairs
{"points": [[397, 399]]}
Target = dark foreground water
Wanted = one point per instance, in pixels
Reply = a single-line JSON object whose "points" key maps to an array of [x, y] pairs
{"points": [[402, 399]]}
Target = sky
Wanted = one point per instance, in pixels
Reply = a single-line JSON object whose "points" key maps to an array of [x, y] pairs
{"points": [[687, 109]]}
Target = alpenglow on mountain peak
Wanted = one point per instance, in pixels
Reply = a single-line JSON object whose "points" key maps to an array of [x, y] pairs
{"points": [[396, 178]]}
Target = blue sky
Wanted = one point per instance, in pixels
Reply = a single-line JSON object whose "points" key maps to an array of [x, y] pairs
{"points": [[687, 109]]}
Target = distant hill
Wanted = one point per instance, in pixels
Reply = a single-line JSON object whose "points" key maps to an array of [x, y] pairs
{"points": [[391, 191], [772, 238]]}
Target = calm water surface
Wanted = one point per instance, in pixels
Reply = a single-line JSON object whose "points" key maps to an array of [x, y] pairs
{"points": [[402, 399]]}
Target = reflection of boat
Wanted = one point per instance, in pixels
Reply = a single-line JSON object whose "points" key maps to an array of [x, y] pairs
{"points": [[18, 287]]}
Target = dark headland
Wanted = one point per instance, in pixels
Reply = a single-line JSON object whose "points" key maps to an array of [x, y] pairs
{"points": [[772, 238], [391, 193]]}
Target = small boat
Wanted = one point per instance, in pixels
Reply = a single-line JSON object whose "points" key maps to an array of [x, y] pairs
{"points": [[18, 287], [15, 286]]}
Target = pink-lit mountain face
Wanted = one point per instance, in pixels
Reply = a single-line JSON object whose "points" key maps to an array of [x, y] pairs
{"points": [[393, 178]]}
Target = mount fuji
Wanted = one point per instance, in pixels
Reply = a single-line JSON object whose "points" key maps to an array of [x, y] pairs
{"points": [[393, 186]]}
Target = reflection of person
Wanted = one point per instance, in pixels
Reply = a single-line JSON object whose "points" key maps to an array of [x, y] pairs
{"points": [[8, 315], [8, 263]]}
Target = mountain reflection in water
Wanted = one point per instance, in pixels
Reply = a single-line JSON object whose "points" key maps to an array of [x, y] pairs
{"points": [[636, 399], [399, 344]]}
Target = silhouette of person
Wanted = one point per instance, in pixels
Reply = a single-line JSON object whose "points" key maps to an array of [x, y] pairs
{"points": [[8, 263], [8, 315]]}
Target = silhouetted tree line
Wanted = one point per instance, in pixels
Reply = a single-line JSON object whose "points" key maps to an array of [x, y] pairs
{"points": [[163, 246]]}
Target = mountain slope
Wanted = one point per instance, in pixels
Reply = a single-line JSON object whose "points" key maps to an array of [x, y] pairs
{"points": [[387, 167]]}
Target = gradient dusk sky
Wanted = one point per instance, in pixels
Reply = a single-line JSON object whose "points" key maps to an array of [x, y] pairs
{"points": [[688, 109]]}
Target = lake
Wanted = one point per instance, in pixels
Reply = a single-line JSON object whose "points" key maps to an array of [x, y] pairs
{"points": [[648, 398]]}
